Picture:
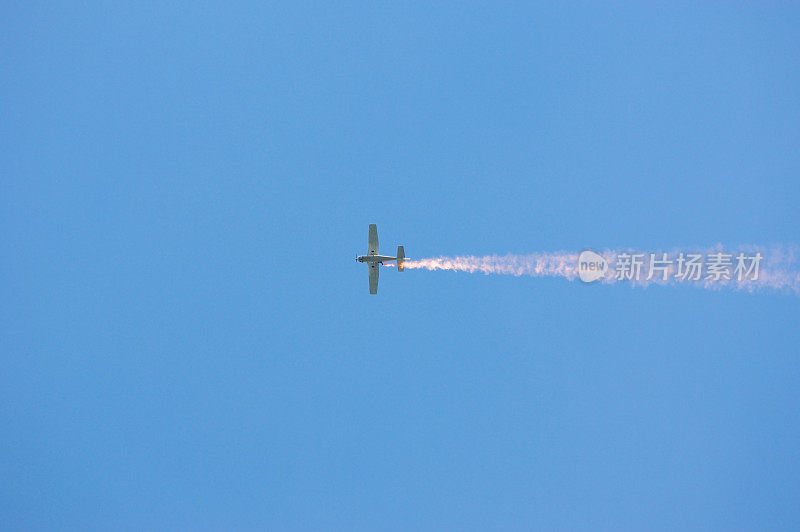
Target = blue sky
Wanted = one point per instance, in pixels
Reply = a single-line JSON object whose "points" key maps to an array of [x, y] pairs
{"points": [[187, 342]]}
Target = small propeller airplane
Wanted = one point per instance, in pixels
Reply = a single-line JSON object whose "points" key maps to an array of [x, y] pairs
{"points": [[374, 260]]}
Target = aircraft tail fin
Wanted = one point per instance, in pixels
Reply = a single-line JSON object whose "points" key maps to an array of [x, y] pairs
{"points": [[401, 256]]}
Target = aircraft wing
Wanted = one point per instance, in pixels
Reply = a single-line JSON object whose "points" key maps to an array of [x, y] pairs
{"points": [[373, 277], [373, 240]]}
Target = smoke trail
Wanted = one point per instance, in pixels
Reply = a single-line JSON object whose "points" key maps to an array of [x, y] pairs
{"points": [[778, 270], [560, 264]]}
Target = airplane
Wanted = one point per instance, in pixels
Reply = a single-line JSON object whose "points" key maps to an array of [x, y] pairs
{"points": [[374, 260]]}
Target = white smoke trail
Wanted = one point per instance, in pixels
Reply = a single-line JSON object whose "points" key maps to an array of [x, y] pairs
{"points": [[779, 269], [559, 264]]}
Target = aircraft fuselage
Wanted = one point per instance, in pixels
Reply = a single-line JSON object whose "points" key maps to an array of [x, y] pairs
{"points": [[375, 258]]}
